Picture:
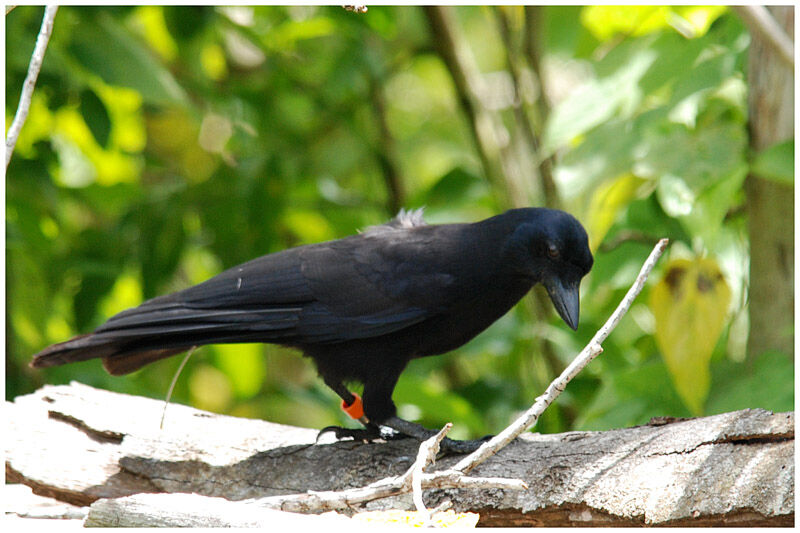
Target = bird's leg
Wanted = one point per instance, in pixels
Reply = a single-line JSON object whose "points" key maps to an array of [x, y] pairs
{"points": [[381, 409], [351, 404], [422, 433], [378, 395]]}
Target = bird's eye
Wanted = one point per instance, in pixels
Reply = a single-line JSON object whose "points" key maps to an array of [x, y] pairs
{"points": [[552, 251]]}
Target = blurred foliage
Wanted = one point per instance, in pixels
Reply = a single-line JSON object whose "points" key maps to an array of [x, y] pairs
{"points": [[166, 144]]}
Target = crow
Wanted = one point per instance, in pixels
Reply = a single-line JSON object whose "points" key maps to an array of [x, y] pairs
{"points": [[361, 307]]}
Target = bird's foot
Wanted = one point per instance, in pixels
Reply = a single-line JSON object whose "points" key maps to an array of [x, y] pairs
{"points": [[397, 428], [369, 433], [421, 433]]}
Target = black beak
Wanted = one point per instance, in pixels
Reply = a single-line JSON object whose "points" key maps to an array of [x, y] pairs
{"points": [[566, 299]]}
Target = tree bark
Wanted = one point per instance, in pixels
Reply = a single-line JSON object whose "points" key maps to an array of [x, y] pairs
{"points": [[81, 445], [770, 205]]}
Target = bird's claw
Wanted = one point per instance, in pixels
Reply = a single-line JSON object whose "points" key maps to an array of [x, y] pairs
{"points": [[371, 433], [447, 446], [367, 434]]}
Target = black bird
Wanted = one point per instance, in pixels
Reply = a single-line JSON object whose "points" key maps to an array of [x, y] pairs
{"points": [[361, 307]]}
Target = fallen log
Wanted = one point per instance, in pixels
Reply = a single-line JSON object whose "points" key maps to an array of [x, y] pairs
{"points": [[80, 445]]}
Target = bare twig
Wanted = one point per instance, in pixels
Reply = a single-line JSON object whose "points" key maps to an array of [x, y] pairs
{"points": [[427, 454], [415, 479], [314, 501], [632, 293], [30, 80], [592, 350], [759, 20]]}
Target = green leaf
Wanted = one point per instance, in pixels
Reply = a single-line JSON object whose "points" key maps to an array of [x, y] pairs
{"points": [[95, 115], [186, 22], [674, 195], [742, 385], [615, 92], [286, 35], [690, 305], [162, 240], [631, 396], [697, 157], [776, 163], [699, 173], [458, 185], [107, 49]]}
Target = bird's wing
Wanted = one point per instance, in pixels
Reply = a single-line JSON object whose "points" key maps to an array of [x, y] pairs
{"points": [[362, 286], [359, 287], [374, 284], [258, 300]]}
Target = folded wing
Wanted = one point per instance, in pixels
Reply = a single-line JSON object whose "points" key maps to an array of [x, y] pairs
{"points": [[362, 286]]}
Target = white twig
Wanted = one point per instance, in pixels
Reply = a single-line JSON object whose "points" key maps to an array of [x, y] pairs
{"points": [[413, 480], [760, 21], [592, 350], [427, 454], [30, 80]]}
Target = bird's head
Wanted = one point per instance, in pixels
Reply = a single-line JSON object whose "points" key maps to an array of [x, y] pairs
{"points": [[551, 247]]}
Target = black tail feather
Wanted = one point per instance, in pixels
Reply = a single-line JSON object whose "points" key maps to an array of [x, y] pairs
{"points": [[126, 363], [80, 348], [161, 328]]}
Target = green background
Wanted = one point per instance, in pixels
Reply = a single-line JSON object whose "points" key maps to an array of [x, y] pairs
{"points": [[166, 144]]}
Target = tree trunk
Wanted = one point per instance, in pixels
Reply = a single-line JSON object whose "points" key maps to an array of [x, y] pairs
{"points": [[770, 205], [86, 446]]}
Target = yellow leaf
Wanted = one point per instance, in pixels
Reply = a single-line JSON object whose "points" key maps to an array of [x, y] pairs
{"points": [[154, 27], [607, 21], [698, 18], [606, 202], [38, 126], [127, 121], [690, 305], [212, 58], [107, 167]]}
